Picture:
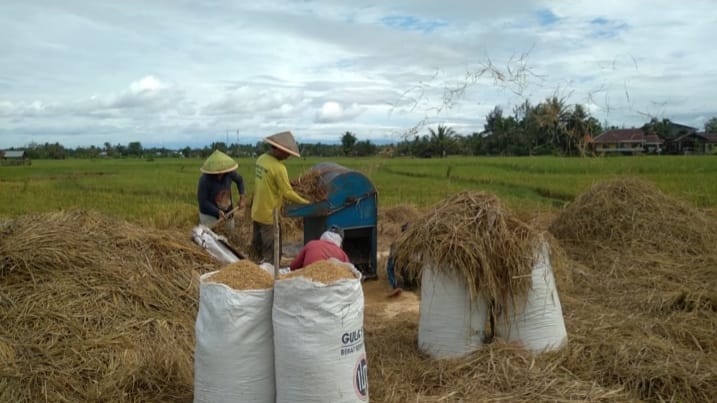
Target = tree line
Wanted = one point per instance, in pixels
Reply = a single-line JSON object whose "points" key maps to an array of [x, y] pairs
{"points": [[551, 127]]}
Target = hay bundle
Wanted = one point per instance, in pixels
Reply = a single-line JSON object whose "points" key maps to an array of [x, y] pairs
{"points": [[308, 185], [633, 214], [473, 235], [94, 308]]}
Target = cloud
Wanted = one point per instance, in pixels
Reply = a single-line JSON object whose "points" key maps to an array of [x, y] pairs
{"points": [[181, 71], [333, 112]]}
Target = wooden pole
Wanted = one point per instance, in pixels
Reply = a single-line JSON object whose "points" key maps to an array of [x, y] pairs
{"points": [[277, 243]]}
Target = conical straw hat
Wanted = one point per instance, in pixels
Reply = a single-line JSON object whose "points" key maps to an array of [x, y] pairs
{"points": [[285, 142], [218, 163]]}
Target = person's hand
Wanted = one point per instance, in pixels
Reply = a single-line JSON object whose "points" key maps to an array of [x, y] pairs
{"points": [[221, 215]]}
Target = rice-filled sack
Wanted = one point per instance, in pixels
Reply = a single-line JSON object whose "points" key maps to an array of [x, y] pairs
{"points": [[318, 335], [234, 353]]}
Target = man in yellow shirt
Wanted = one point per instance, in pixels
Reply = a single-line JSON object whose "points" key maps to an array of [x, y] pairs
{"points": [[271, 188]]}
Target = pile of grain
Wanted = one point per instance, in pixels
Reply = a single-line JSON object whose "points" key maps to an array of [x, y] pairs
{"points": [[472, 235], [243, 275], [323, 271], [96, 309]]}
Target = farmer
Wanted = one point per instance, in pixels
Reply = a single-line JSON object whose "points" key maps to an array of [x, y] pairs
{"points": [[271, 188], [324, 248], [214, 191], [406, 281]]}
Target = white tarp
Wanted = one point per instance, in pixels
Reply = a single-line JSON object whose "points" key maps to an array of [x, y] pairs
{"points": [[214, 244], [234, 353], [451, 324], [538, 324], [318, 341]]}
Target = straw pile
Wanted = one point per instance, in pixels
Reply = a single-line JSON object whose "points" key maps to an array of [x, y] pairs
{"points": [[390, 220], [309, 186], [323, 271], [633, 214], [243, 275], [472, 235], [96, 309], [643, 303]]}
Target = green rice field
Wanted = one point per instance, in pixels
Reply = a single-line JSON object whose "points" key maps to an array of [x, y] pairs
{"points": [[162, 191]]}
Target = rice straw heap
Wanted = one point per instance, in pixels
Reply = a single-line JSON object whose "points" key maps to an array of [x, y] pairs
{"points": [[474, 237], [630, 213], [96, 309]]}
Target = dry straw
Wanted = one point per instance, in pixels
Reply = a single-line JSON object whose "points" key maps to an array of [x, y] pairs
{"points": [[309, 185], [96, 309], [243, 275], [473, 236], [633, 214], [642, 309]]}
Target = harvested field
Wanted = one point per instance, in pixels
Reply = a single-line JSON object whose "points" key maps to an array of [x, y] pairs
{"points": [[96, 309], [243, 275]]}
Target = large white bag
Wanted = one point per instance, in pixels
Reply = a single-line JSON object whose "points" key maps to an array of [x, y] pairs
{"points": [[234, 353], [318, 341], [451, 324], [538, 324]]}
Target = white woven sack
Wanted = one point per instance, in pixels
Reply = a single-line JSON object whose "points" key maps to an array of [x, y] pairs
{"points": [[538, 324], [451, 324], [234, 353], [207, 239], [318, 341]]}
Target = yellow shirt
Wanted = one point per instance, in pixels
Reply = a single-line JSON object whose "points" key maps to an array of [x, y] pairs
{"points": [[271, 188]]}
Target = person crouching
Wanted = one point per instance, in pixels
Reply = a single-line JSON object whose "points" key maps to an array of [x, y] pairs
{"points": [[326, 247]]}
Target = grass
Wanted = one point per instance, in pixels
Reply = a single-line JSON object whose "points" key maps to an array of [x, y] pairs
{"points": [[162, 192]]}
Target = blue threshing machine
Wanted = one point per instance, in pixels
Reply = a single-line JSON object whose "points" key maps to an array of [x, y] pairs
{"points": [[351, 203]]}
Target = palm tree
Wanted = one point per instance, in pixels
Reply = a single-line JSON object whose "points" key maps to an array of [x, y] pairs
{"points": [[442, 139], [551, 116]]}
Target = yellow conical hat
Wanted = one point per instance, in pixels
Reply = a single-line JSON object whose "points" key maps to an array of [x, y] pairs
{"points": [[218, 163], [284, 141]]}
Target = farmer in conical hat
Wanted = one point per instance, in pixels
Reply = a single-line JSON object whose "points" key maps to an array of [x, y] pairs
{"points": [[271, 188], [214, 191]]}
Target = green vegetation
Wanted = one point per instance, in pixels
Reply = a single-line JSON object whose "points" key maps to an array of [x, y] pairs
{"points": [[162, 192]]}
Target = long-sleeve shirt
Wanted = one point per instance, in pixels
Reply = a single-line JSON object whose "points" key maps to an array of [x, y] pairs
{"points": [[271, 188], [316, 250], [215, 193]]}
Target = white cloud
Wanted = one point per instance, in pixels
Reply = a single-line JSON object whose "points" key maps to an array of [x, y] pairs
{"points": [[333, 112]]}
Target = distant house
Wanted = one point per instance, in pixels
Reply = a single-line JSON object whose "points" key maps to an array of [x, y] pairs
{"points": [[14, 157], [677, 139], [694, 143], [626, 141]]}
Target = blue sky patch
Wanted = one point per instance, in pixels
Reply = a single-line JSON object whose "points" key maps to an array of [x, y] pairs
{"points": [[546, 17], [409, 23], [603, 28]]}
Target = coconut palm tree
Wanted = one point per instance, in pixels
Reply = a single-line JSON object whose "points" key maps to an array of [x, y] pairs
{"points": [[442, 139]]}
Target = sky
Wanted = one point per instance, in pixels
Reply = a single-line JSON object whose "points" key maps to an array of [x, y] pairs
{"points": [[189, 73]]}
